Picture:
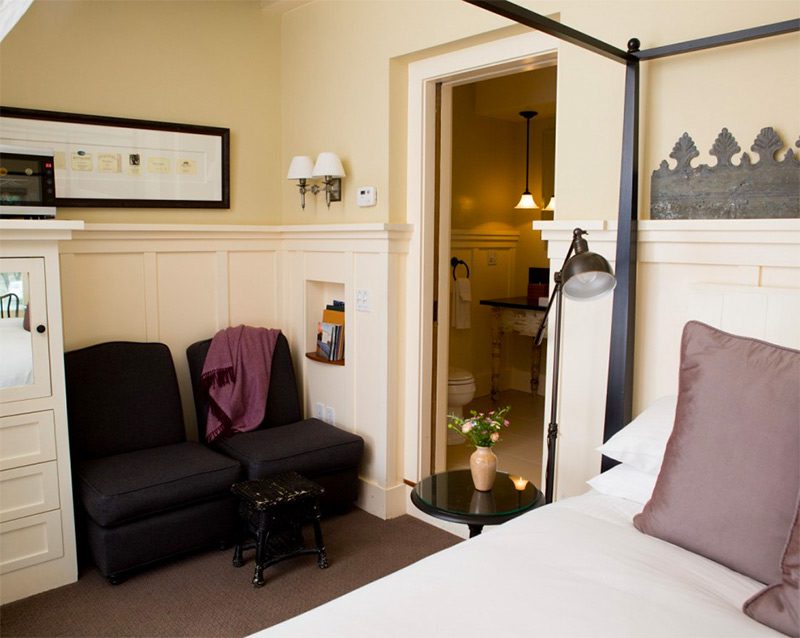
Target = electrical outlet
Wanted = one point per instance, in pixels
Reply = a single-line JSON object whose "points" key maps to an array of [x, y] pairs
{"points": [[362, 300], [491, 258], [319, 410], [330, 415]]}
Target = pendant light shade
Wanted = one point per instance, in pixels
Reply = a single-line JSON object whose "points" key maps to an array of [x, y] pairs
{"points": [[527, 201]]}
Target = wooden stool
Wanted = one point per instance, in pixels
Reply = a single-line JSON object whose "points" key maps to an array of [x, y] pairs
{"points": [[273, 510]]}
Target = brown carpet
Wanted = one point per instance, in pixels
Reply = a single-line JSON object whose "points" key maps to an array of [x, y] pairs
{"points": [[204, 595]]}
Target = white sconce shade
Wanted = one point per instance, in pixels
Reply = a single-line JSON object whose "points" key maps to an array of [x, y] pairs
{"points": [[551, 205], [526, 201], [300, 168], [328, 165]]}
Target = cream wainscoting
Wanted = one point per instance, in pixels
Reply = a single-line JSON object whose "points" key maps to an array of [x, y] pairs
{"points": [[686, 271], [178, 284]]}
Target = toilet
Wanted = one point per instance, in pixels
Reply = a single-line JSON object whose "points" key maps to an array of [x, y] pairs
{"points": [[460, 391]]}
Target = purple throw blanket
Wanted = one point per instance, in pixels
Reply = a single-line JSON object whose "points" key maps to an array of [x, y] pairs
{"points": [[236, 375]]}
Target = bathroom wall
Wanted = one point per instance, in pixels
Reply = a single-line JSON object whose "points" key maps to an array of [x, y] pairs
{"points": [[494, 238]]}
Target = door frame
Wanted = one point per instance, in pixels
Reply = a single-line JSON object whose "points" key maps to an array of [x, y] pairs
{"points": [[502, 57]]}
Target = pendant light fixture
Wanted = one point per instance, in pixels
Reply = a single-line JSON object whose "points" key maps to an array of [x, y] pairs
{"points": [[527, 201]]}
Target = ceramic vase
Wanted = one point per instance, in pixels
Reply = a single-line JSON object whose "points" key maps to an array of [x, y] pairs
{"points": [[483, 465]]}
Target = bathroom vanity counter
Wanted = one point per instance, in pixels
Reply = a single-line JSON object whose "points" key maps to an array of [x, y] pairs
{"points": [[514, 314]]}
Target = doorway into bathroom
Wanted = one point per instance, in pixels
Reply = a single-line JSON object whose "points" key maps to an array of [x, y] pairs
{"points": [[493, 254]]}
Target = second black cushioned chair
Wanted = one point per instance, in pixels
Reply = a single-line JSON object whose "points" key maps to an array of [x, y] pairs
{"points": [[285, 440], [143, 492]]}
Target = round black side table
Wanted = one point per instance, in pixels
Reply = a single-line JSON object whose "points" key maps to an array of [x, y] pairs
{"points": [[451, 496]]}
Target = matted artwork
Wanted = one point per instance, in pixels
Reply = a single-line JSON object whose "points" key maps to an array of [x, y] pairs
{"points": [[118, 162]]}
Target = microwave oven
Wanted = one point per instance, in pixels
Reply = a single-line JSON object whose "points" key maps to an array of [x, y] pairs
{"points": [[27, 183]]}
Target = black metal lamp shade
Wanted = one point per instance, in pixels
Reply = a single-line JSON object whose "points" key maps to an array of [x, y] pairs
{"points": [[586, 275]]}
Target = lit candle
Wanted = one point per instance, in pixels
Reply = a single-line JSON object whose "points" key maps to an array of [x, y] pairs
{"points": [[519, 482]]}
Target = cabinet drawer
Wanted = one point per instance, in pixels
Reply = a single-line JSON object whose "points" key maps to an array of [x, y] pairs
{"points": [[26, 439], [30, 540], [28, 490]]}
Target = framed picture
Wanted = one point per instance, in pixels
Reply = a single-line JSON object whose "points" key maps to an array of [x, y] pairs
{"points": [[118, 162]]}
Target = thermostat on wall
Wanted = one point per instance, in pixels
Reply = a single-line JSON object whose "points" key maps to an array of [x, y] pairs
{"points": [[366, 196]]}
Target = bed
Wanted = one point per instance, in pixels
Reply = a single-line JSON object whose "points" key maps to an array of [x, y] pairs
{"points": [[574, 568], [16, 364], [694, 533]]}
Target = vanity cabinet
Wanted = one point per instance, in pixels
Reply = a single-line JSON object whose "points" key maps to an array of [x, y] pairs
{"points": [[37, 529]]}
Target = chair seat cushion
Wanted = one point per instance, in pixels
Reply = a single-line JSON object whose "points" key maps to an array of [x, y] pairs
{"points": [[128, 486], [310, 447]]}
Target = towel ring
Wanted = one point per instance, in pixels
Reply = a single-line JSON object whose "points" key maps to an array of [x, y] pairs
{"points": [[454, 262]]}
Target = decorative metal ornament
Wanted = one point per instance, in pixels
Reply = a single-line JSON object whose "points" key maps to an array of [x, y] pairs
{"points": [[769, 188]]}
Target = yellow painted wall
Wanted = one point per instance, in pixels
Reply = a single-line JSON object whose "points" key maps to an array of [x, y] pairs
{"points": [[189, 61], [343, 60], [330, 75]]}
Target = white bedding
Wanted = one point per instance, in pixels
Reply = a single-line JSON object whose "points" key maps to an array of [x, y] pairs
{"points": [[16, 363], [575, 568]]}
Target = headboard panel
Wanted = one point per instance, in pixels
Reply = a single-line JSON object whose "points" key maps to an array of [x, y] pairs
{"points": [[770, 314]]}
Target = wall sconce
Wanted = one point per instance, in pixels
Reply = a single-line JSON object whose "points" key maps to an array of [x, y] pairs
{"points": [[328, 166], [301, 169], [527, 201]]}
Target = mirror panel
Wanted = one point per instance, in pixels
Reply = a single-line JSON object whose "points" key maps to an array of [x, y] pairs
{"points": [[16, 364], [24, 364]]}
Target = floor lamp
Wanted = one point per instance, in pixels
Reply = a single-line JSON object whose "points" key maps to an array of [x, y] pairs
{"points": [[583, 276]]}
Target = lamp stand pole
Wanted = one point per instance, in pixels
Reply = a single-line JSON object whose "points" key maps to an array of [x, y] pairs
{"points": [[552, 427]]}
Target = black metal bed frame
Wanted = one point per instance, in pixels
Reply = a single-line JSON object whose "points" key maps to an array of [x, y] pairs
{"points": [[619, 397]]}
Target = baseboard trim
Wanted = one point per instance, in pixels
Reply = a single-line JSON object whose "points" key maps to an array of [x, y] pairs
{"points": [[383, 502]]}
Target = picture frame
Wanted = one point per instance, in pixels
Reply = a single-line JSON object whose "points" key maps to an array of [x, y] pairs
{"points": [[118, 162]]}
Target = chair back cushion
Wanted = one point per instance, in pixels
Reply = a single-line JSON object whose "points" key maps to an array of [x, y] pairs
{"points": [[122, 396], [283, 400]]}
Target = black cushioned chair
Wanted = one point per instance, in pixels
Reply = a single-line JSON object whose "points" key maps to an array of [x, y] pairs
{"points": [[143, 492], [285, 441]]}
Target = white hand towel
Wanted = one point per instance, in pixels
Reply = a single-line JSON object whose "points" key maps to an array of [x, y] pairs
{"points": [[461, 307]]}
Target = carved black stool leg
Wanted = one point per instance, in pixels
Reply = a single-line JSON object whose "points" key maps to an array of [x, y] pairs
{"points": [[322, 554], [262, 541]]}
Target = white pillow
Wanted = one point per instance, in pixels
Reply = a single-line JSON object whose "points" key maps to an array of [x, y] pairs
{"points": [[626, 482], [641, 443]]}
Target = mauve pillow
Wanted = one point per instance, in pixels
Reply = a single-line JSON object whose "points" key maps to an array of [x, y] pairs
{"points": [[729, 482], [779, 605]]}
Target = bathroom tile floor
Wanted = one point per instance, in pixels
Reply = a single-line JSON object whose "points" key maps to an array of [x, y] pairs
{"points": [[520, 450]]}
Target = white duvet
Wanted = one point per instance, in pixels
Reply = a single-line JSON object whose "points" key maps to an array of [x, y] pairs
{"points": [[575, 568]]}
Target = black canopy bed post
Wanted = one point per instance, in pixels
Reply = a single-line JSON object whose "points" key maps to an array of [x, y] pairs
{"points": [[619, 399], [619, 388]]}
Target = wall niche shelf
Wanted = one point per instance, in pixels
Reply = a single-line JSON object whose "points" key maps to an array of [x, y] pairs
{"points": [[315, 357], [319, 297]]}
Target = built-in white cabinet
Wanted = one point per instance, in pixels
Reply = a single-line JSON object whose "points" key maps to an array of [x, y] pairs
{"points": [[37, 529]]}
